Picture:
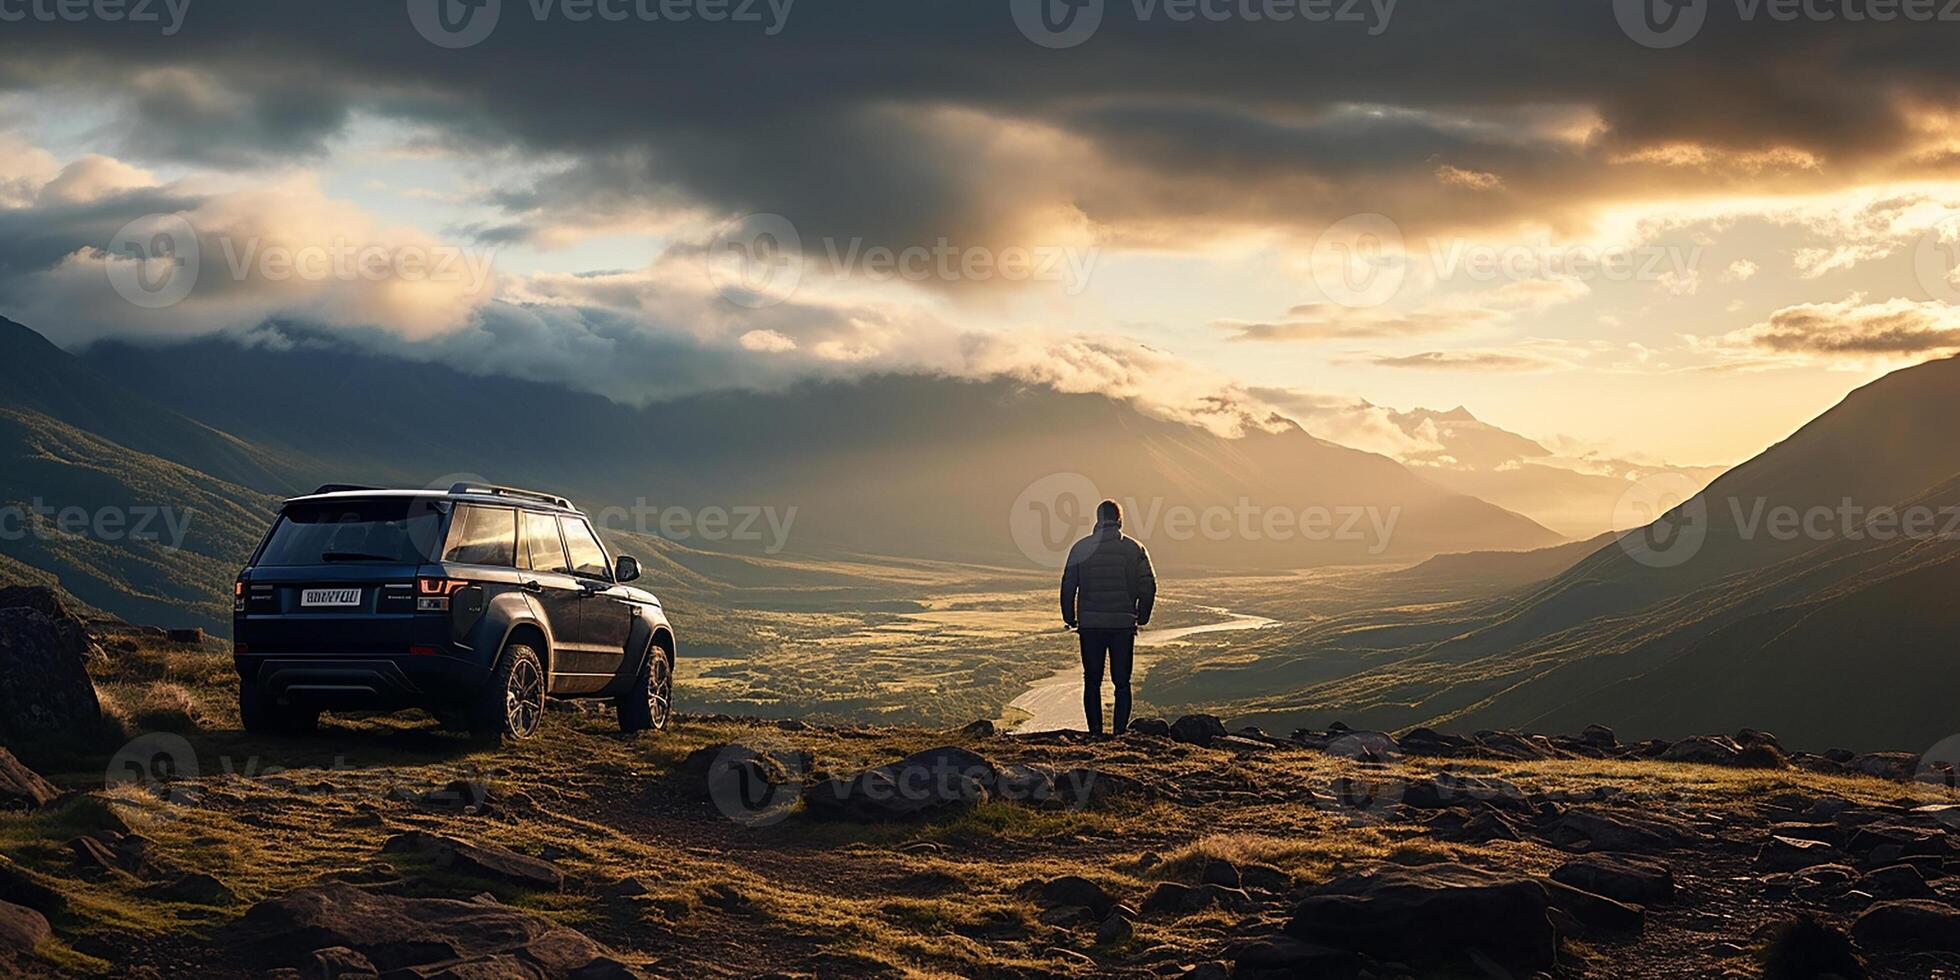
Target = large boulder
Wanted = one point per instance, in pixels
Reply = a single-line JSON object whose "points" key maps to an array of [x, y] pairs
{"points": [[22, 788], [1593, 829], [21, 928], [1909, 926], [48, 696], [1430, 915], [421, 936]]}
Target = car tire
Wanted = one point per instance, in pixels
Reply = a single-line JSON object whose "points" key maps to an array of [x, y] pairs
{"points": [[262, 716], [649, 704], [511, 705]]}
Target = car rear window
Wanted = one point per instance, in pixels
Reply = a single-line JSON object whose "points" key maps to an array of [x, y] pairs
{"points": [[327, 532], [482, 536]]}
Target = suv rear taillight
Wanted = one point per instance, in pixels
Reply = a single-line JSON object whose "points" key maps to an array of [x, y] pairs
{"points": [[432, 594]]}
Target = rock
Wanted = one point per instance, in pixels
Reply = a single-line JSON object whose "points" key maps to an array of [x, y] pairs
{"points": [[1792, 854], [1896, 881], [1223, 873], [191, 635], [1515, 745], [22, 928], [1154, 727], [1624, 879], [23, 887], [1808, 948], [1288, 957], [1212, 970], [1116, 927], [1752, 736], [1592, 829], [1066, 916], [483, 860], [22, 788], [1447, 789], [1899, 766], [192, 889], [335, 962], [1170, 898], [1085, 788], [1077, 890], [979, 728], [1437, 913], [421, 936], [467, 796], [48, 696], [1596, 911], [1264, 878], [1026, 785], [1428, 741], [1918, 926], [1197, 729], [1599, 737]]}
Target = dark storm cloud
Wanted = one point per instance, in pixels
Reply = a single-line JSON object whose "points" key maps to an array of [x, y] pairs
{"points": [[901, 122]]}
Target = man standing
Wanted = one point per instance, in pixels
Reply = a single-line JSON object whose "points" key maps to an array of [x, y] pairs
{"points": [[1107, 591]]}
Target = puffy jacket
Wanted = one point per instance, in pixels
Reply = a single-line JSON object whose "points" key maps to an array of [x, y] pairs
{"points": [[1107, 583]]}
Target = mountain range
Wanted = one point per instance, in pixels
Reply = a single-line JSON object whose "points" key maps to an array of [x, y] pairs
{"points": [[897, 465]]}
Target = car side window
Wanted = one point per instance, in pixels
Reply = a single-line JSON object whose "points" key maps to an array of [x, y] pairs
{"points": [[542, 544], [588, 559], [482, 536]]}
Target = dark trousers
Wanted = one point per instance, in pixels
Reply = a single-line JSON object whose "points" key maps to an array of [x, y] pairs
{"points": [[1120, 647]]}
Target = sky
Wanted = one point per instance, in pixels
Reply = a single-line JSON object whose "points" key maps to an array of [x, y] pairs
{"points": [[1665, 232]]}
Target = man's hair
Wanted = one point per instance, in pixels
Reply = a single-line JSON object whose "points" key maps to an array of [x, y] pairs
{"points": [[1109, 512]]}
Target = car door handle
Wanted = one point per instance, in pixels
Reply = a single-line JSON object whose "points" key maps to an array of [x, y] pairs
{"points": [[530, 585]]}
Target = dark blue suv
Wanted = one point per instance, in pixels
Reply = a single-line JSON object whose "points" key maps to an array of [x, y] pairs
{"points": [[474, 603]]}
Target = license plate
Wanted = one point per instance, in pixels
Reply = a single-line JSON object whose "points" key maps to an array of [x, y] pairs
{"points": [[330, 597]]}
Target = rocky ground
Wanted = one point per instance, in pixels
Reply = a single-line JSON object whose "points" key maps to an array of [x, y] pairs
{"points": [[158, 840]]}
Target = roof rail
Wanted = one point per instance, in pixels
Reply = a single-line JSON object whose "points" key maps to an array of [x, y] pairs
{"points": [[341, 487], [497, 491]]}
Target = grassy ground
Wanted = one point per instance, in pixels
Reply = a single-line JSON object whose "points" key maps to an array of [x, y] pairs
{"points": [[265, 816]]}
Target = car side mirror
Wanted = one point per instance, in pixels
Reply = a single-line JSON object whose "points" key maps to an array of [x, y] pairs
{"points": [[626, 568]]}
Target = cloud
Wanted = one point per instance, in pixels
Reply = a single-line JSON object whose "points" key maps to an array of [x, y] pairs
{"points": [[1469, 360], [1457, 313], [900, 123], [1853, 331]]}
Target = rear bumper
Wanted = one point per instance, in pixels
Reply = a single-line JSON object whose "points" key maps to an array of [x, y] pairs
{"points": [[362, 680]]}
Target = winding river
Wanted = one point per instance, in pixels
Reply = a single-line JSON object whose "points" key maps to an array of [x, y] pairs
{"points": [[1055, 702]]}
